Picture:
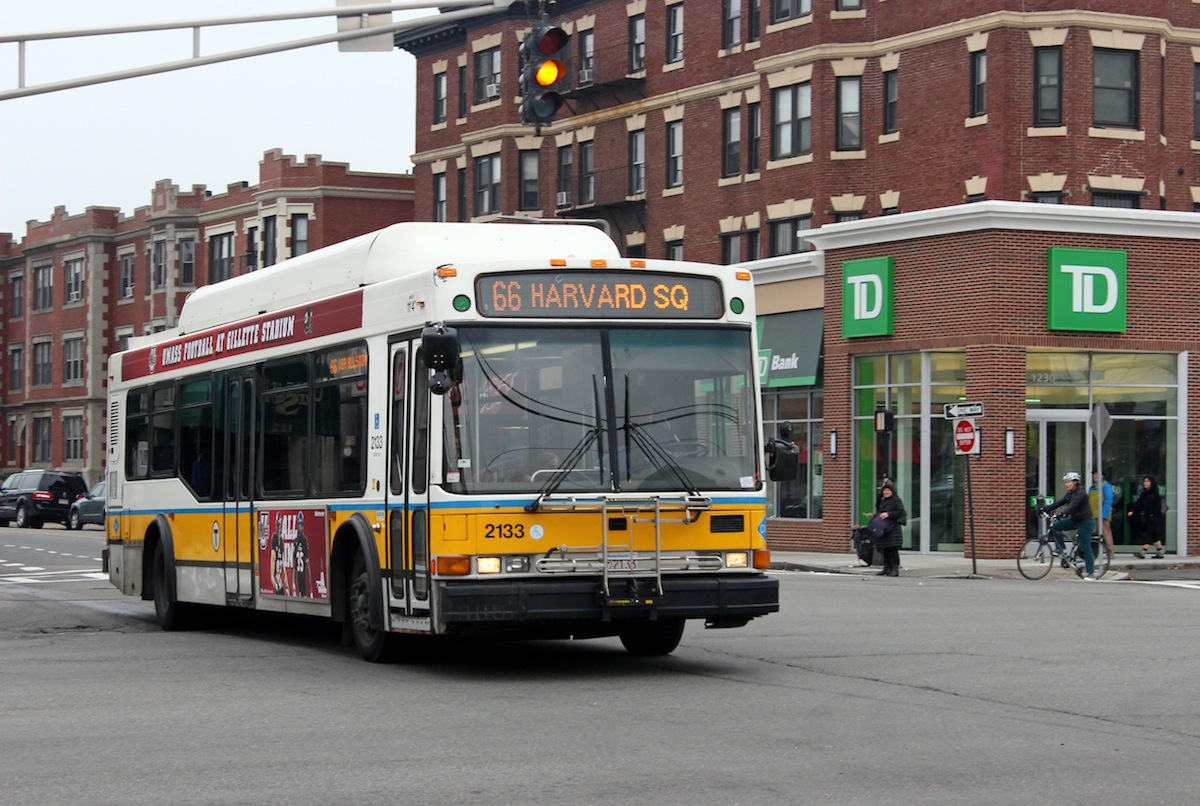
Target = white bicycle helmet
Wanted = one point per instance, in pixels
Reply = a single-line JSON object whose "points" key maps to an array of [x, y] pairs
{"points": [[1072, 476]]}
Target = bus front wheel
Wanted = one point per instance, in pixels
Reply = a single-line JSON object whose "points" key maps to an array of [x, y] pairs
{"points": [[647, 638], [374, 645]]}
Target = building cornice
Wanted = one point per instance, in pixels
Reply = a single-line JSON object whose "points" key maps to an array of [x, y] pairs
{"points": [[800, 266], [1005, 215]]}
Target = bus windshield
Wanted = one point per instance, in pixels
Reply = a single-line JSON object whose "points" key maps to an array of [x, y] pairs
{"points": [[571, 410]]}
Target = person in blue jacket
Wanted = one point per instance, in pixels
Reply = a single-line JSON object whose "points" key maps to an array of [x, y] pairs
{"points": [[1101, 499]]}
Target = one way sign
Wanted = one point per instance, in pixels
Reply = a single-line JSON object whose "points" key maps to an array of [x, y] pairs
{"points": [[954, 411]]}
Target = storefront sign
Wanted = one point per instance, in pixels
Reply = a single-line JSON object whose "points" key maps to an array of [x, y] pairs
{"points": [[789, 348], [867, 297], [1087, 290]]}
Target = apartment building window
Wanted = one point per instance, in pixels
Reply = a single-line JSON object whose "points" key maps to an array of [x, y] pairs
{"points": [[72, 360], [891, 102], [786, 238], [754, 23], [73, 438], [754, 112], [1115, 88], [792, 121], [1047, 86], [1047, 197], [675, 154], [270, 248], [566, 159], [73, 280], [849, 113], [41, 439], [18, 296], [731, 142], [1113, 198], [16, 368], [587, 56], [674, 250], [849, 5], [978, 83], [439, 98], [128, 269], [752, 248], [487, 185], [252, 249], [530, 167], [14, 438], [439, 197], [487, 75], [462, 91], [1196, 102], [160, 264], [731, 30], [675, 33], [587, 173], [637, 43], [299, 234], [782, 10], [462, 194], [43, 287], [43, 364], [220, 257], [187, 261], [731, 248], [637, 162]]}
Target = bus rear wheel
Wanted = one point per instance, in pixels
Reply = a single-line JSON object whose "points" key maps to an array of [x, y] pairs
{"points": [[374, 645], [648, 638]]}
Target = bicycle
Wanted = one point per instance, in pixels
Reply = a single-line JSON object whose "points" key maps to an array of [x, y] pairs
{"points": [[1039, 554]]}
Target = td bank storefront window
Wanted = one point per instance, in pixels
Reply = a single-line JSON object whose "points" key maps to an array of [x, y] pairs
{"points": [[914, 387], [801, 497], [1119, 411]]}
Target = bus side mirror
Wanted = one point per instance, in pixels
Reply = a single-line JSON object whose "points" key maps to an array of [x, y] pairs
{"points": [[439, 352], [783, 455]]}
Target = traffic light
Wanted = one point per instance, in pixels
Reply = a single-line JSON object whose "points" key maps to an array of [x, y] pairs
{"points": [[543, 71]]}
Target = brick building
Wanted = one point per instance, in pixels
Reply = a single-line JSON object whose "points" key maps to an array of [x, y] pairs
{"points": [[77, 287], [734, 130]]}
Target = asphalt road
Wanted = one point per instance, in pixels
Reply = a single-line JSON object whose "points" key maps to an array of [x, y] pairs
{"points": [[864, 690]]}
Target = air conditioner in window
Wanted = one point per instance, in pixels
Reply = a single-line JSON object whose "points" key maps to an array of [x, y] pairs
{"points": [[492, 90], [585, 75], [564, 198]]}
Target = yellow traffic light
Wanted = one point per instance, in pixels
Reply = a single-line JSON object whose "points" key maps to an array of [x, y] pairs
{"points": [[543, 71]]}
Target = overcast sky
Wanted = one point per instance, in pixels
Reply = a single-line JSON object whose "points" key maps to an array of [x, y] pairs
{"points": [[106, 145]]}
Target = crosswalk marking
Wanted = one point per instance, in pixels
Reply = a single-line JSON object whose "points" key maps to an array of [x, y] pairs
{"points": [[33, 575]]}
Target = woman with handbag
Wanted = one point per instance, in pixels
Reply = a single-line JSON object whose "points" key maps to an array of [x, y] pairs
{"points": [[891, 511]]}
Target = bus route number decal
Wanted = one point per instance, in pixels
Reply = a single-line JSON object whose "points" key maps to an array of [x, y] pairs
{"points": [[608, 295], [504, 530]]}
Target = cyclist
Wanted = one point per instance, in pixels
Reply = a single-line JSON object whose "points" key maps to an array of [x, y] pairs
{"points": [[1077, 515]]}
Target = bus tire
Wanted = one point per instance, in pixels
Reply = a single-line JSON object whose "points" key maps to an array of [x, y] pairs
{"points": [[170, 613], [375, 645], [649, 638]]}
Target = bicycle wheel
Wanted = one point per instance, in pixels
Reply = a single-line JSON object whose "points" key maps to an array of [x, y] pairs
{"points": [[1035, 558], [1100, 551]]}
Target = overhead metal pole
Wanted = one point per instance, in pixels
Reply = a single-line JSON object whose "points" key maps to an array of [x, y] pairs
{"points": [[470, 8]]}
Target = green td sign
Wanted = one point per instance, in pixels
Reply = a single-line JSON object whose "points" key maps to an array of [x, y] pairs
{"points": [[1087, 290], [867, 297]]}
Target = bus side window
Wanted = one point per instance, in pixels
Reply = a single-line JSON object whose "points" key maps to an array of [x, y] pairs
{"points": [[399, 395], [420, 448]]}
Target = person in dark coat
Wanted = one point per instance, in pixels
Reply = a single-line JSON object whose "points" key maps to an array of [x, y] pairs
{"points": [[891, 509], [1077, 515], [1148, 518]]}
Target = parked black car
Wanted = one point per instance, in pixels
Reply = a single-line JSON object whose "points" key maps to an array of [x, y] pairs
{"points": [[32, 497], [89, 508]]}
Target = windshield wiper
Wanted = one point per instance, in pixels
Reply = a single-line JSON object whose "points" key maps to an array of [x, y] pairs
{"points": [[655, 452], [592, 435]]}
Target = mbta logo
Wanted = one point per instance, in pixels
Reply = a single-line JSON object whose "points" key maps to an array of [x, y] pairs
{"points": [[867, 297], [1086, 290]]}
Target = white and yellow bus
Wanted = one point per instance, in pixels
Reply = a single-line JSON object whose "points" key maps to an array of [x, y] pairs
{"points": [[449, 429]]}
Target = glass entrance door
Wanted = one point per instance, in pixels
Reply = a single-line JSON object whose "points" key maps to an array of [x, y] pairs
{"points": [[1056, 442]]}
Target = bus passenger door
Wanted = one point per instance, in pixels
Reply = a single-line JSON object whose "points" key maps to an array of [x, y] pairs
{"points": [[237, 482], [407, 506]]}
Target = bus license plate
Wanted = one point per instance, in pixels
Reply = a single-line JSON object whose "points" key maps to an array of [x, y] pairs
{"points": [[622, 564]]}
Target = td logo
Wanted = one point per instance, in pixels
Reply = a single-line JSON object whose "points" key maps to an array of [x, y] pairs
{"points": [[867, 297], [1087, 290]]}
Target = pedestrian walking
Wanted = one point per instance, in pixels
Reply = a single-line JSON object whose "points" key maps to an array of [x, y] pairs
{"points": [[1149, 518], [1100, 496], [891, 509]]}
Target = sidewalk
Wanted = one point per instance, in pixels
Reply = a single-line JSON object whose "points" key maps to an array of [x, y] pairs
{"points": [[953, 565]]}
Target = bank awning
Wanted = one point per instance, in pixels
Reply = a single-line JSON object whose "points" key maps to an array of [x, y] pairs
{"points": [[789, 348]]}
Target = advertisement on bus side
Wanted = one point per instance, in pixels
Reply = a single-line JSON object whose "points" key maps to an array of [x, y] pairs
{"points": [[291, 553]]}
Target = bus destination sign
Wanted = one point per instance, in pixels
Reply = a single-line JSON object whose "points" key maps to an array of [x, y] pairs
{"points": [[572, 294]]}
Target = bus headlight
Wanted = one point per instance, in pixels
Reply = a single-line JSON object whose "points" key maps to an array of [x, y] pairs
{"points": [[489, 565], [737, 559]]}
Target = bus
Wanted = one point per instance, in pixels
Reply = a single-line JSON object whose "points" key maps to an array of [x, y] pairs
{"points": [[452, 430]]}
